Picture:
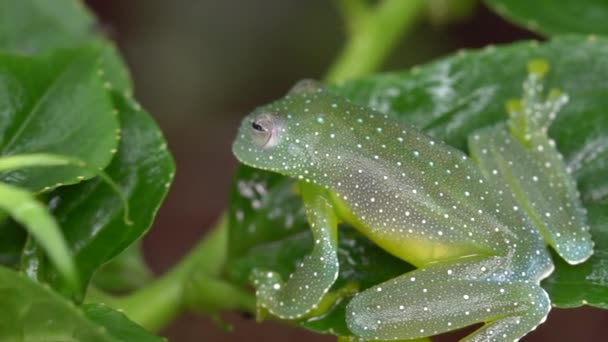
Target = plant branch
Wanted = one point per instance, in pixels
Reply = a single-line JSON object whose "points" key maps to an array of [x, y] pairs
{"points": [[355, 12], [370, 43], [157, 304]]}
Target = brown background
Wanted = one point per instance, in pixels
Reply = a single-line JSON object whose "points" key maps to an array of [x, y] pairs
{"points": [[200, 65]]}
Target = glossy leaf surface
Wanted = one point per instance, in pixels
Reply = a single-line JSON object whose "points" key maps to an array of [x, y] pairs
{"points": [[55, 104], [91, 214]]}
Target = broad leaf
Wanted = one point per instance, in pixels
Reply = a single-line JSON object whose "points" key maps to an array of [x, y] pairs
{"points": [[91, 214], [449, 99], [556, 17], [34, 26], [55, 104]]}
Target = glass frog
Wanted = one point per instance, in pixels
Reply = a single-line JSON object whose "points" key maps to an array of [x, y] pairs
{"points": [[476, 227]]}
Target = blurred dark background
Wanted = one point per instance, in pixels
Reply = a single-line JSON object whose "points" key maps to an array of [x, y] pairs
{"points": [[200, 65]]}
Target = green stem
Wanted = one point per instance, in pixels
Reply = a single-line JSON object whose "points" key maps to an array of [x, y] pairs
{"points": [[373, 40], [157, 304], [354, 13]]}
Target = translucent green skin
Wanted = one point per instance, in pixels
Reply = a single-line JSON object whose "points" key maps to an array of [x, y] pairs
{"points": [[473, 229]]}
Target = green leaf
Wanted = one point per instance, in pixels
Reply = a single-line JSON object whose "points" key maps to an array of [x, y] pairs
{"points": [[32, 312], [118, 325], [55, 104], [91, 213], [31, 257], [556, 17], [34, 26], [38, 26], [449, 99], [256, 218], [34, 216], [115, 72]]}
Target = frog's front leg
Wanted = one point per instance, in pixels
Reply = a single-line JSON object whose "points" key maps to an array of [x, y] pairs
{"points": [[442, 298], [315, 274]]}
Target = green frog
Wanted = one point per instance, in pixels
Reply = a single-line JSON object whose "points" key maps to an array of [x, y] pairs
{"points": [[475, 227]]}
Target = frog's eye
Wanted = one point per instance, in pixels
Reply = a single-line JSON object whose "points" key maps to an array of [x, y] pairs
{"points": [[258, 127], [263, 128]]}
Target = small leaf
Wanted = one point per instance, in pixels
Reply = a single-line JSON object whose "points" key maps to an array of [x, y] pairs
{"points": [[118, 325], [55, 104], [91, 213], [556, 17], [34, 216]]}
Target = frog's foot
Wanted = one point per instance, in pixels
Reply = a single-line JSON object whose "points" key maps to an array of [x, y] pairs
{"points": [[524, 161], [434, 300], [531, 116], [542, 187], [315, 275]]}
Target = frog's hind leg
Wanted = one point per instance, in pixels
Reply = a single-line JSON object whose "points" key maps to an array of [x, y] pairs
{"points": [[522, 158], [315, 274], [438, 299]]}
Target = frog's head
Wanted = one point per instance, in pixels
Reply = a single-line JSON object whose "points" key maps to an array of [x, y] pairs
{"points": [[283, 135]]}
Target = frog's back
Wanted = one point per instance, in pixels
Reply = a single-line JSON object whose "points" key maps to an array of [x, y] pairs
{"points": [[421, 199], [418, 198]]}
